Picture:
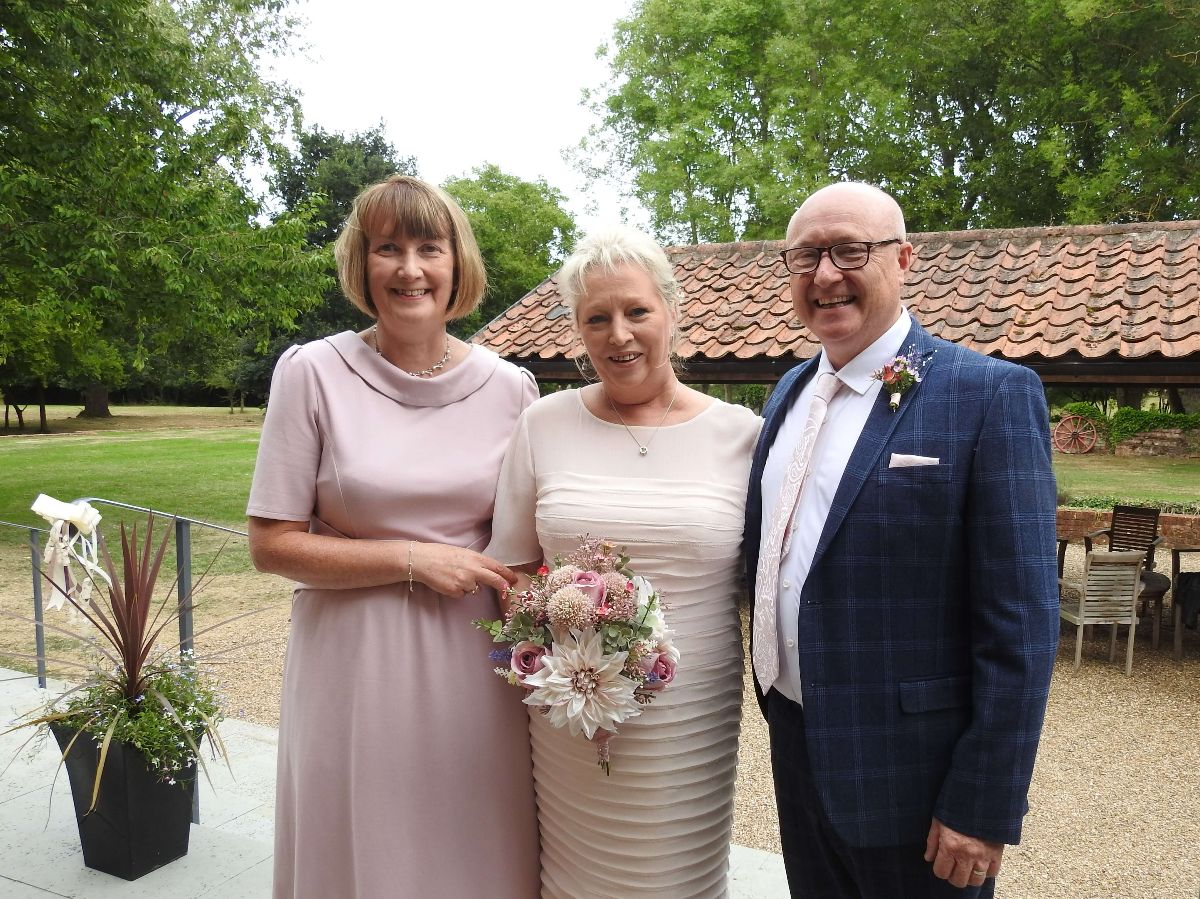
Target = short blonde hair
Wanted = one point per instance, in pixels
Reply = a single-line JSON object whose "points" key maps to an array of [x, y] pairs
{"points": [[408, 206], [606, 249]]}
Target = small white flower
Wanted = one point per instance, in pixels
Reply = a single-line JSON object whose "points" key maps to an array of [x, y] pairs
{"points": [[581, 688]]}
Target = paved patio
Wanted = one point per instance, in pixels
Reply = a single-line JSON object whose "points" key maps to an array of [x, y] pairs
{"points": [[230, 853]]}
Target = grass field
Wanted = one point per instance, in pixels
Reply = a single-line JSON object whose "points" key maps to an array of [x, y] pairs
{"points": [[197, 462], [1137, 480]]}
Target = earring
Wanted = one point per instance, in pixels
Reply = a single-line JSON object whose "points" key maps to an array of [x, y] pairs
{"points": [[584, 364]]}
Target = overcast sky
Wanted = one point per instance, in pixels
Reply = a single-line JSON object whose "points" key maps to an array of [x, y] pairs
{"points": [[460, 83]]}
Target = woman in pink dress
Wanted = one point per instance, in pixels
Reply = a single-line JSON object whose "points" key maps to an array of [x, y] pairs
{"points": [[403, 763]]}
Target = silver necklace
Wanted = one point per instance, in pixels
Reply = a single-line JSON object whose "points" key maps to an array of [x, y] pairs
{"points": [[643, 448], [423, 373]]}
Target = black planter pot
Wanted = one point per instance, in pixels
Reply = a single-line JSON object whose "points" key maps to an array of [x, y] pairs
{"points": [[140, 823]]}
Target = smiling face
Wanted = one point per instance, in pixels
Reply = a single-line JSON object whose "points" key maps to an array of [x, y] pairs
{"points": [[409, 277], [626, 328], [849, 310]]}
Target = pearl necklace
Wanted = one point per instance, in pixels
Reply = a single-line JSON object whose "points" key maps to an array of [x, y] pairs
{"points": [[423, 373], [643, 448]]}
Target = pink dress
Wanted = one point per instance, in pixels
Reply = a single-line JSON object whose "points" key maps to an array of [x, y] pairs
{"points": [[404, 766]]}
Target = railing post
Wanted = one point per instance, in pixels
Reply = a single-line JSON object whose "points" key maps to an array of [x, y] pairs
{"points": [[183, 571], [183, 577], [38, 630]]}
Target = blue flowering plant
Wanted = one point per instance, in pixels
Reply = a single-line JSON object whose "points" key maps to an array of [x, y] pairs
{"points": [[135, 690]]}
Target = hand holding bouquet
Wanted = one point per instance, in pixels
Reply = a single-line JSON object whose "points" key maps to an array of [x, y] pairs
{"points": [[587, 640]]}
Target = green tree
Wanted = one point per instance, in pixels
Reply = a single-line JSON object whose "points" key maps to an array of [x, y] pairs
{"points": [[523, 233], [692, 111], [125, 227], [974, 113]]}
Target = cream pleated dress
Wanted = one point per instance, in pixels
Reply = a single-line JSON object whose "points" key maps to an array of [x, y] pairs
{"points": [[403, 760], [660, 824]]}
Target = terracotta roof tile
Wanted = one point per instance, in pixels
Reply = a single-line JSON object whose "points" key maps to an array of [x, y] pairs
{"points": [[1092, 292]]}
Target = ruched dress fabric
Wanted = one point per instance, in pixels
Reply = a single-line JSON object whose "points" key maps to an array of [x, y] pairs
{"points": [[660, 824], [404, 764]]}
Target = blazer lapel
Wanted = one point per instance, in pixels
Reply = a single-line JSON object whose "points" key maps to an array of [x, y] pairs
{"points": [[880, 426]]}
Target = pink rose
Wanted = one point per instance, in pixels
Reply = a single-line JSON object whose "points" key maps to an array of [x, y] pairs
{"points": [[659, 668], [664, 669], [526, 658], [590, 585]]}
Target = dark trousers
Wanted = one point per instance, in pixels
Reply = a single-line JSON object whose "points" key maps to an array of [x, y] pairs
{"points": [[819, 863]]}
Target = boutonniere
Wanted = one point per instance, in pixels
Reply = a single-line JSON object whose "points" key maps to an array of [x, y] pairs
{"points": [[900, 375]]}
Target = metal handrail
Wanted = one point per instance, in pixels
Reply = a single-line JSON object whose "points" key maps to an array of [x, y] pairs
{"points": [[183, 559]]}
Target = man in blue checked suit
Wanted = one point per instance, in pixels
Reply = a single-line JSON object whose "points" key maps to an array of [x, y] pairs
{"points": [[905, 604]]}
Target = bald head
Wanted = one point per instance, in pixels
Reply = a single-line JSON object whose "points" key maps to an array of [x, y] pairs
{"points": [[872, 203]]}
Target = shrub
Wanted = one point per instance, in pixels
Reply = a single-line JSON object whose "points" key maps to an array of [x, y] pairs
{"points": [[1087, 410], [1127, 421]]}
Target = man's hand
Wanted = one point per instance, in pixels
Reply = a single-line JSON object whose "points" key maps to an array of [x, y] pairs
{"points": [[960, 859]]}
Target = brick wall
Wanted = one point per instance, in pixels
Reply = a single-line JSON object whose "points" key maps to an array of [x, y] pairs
{"points": [[1177, 530], [1163, 442]]}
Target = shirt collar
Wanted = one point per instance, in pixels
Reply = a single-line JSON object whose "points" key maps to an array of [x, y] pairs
{"points": [[858, 373]]}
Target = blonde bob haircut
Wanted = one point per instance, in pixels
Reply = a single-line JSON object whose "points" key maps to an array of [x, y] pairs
{"points": [[610, 247], [409, 207]]}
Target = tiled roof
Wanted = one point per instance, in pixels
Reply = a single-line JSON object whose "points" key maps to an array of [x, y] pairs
{"points": [[1079, 293]]}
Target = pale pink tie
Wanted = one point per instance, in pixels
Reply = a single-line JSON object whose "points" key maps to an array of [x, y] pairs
{"points": [[778, 536]]}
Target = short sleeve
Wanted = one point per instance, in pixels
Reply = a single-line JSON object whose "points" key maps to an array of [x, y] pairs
{"points": [[514, 528], [289, 453], [529, 389]]}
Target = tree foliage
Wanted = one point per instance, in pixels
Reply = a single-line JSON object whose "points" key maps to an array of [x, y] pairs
{"points": [[974, 113], [522, 230], [125, 228]]}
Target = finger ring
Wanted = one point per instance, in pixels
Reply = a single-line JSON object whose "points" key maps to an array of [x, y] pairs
{"points": [[979, 873]]}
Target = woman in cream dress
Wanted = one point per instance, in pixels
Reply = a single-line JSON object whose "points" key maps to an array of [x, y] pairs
{"points": [[661, 470]]}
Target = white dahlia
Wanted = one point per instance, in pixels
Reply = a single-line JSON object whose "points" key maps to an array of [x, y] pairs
{"points": [[581, 688]]}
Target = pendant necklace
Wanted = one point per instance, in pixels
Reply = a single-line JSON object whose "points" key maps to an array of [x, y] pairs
{"points": [[423, 373], [643, 448]]}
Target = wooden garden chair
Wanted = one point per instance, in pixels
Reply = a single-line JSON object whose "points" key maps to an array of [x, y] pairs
{"points": [[1136, 527], [1107, 594]]}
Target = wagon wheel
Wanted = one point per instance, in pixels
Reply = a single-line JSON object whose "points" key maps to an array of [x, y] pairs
{"points": [[1074, 434]]}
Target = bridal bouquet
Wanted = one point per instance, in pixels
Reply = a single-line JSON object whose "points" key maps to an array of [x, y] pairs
{"points": [[587, 640]]}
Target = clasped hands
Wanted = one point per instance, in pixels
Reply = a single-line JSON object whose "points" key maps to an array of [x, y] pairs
{"points": [[457, 572]]}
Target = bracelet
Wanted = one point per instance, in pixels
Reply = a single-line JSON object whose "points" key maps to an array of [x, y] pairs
{"points": [[410, 579]]}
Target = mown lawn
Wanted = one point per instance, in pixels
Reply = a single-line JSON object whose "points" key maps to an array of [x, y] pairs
{"points": [[1136, 480], [197, 461]]}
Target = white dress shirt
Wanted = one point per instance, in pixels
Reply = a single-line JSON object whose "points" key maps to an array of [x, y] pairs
{"points": [[844, 422]]}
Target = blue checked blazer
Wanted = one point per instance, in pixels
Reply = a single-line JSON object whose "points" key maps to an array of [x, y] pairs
{"points": [[929, 619]]}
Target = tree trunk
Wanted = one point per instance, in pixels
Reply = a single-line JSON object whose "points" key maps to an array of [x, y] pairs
{"points": [[43, 428], [95, 402], [1132, 397], [1175, 401]]}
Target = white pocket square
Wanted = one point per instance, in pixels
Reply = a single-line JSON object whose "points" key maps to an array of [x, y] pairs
{"points": [[899, 460]]}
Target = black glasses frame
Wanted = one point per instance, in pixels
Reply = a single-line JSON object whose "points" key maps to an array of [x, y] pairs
{"points": [[822, 251]]}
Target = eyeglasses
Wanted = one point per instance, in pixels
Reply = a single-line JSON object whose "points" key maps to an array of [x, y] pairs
{"points": [[846, 256]]}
